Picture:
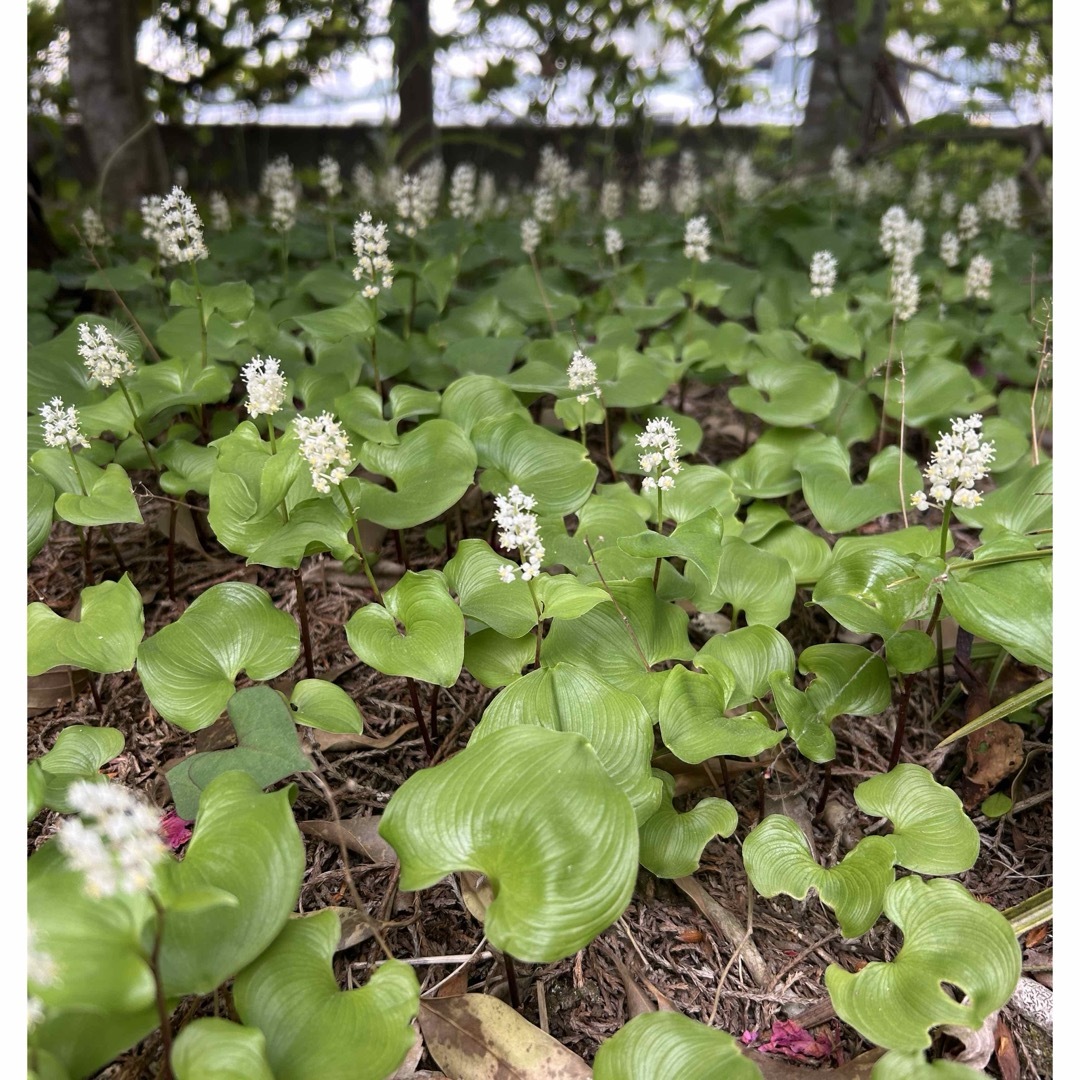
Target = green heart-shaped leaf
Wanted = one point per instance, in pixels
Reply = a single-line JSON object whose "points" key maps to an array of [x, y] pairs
{"points": [[786, 394], [211, 1048], [39, 513], [699, 489], [931, 833], [353, 319], [110, 500], [536, 812], [189, 667], [755, 583], [569, 698], [1010, 603], [697, 540], [244, 864], [104, 638], [514, 450], [470, 400], [182, 382], [872, 590], [1020, 506], [518, 292], [320, 704], [949, 937], [694, 726], [430, 647], [234, 299], [78, 754], [849, 679], [751, 654], [671, 843], [266, 749], [494, 660], [778, 860], [670, 1044], [833, 332], [900, 1065], [188, 467], [767, 470], [420, 492], [313, 1028]]}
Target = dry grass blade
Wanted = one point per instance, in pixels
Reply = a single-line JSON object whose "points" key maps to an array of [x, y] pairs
{"points": [[728, 927]]}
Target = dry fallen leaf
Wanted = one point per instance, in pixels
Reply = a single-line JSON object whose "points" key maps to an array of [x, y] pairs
{"points": [[330, 740], [359, 834], [727, 926], [476, 1036]]}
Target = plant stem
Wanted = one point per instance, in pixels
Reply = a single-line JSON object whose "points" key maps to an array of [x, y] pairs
{"points": [[174, 509], [885, 388], [539, 622], [202, 316], [273, 435], [138, 427], [511, 981], [543, 293], [305, 632], [360, 547], [660, 530], [331, 243], [159, 989], [607, 443], [619, 610], [905, 695], [946, 536], [127, 311], [284, 263], [420, 722]]}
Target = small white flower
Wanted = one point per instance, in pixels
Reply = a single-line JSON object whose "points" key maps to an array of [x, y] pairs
{"points": [[1001, 202], [950, 249], [904, 293], [543, 205], [611, 200], [364, 181], [613, 241], [959, 461], [114, 842], [967, 224], [894, 223], [660, 440], [93, 230], [530, 235], [582, 376], [696, 240], [651, 192], [104, 357], [686, 194], [282, 209], [153, 219], [41, 968], [948, 204], [463, 191], [183, 228], [220, 216], [417, 198], [325, 447], [61, 425], [748, 183], [330, 177], [980, 273], [486, 197], [519, 532], [374, 267], [265, 385], [822, 274]]}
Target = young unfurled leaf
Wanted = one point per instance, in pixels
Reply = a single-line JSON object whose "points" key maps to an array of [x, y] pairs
{"points": [[479, 1035], [778, 860], [753, 581], [314, 1030], [324, 705], [751, 654], [697, 540], [672, 842], [669, 1044], [188, 668], [266, 749], [104, 638], [949, 937], [931, 833], [536, 812], [431, 645], [494, 660]]}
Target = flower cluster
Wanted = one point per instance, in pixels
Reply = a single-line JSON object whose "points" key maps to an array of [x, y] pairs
{"points": [[1001, 202], [611, 200], [950, 249], [279, 187], [417, 198], [94, 234], [613, 241], [554, 172], [660, 441], [530, 235], [582, 376], [463, 191], [651, 192], [325, 447], [265, 385], [696, 240], [520, 532], [903, 239], [363, 180], [544, 208], [840, 170], [486, 196], [114, 841], [822, 274], [921, 198], [153, 219], [373, 266], [967, 224], [183, 228], [749, 184], [104, 357], [330, 177], [904, 293], [61, 425], [686, 194], [220, 217], [41, 971], [958, 463], [980, 273]]}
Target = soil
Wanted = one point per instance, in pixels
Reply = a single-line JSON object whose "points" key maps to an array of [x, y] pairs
{"points": [[663, 951]]}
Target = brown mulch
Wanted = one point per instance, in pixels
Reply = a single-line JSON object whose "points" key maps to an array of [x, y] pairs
{"points": [[663, 946]]}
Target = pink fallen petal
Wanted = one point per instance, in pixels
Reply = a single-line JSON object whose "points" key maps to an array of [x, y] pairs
{"points": [[794, 1041], [748, 1037], [177, 831]]}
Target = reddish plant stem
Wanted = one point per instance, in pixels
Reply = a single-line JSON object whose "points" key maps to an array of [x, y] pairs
{"points": [[511, 981], [421, 723], [171, 573], [905, 694], [305, 631]]}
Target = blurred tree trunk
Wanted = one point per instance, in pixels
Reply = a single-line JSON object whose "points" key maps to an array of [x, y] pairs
{"points": [[414, 55], [850, 90], [109, 87]]}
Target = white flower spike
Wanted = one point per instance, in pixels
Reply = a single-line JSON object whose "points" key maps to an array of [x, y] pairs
{"points": [[958, 463], [325, 447], [265, 385], [105, 358], [660, 441], [61, 425], [519, 532]]}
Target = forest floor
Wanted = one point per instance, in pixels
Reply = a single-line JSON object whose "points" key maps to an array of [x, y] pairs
{"points": [[672, 948]]}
